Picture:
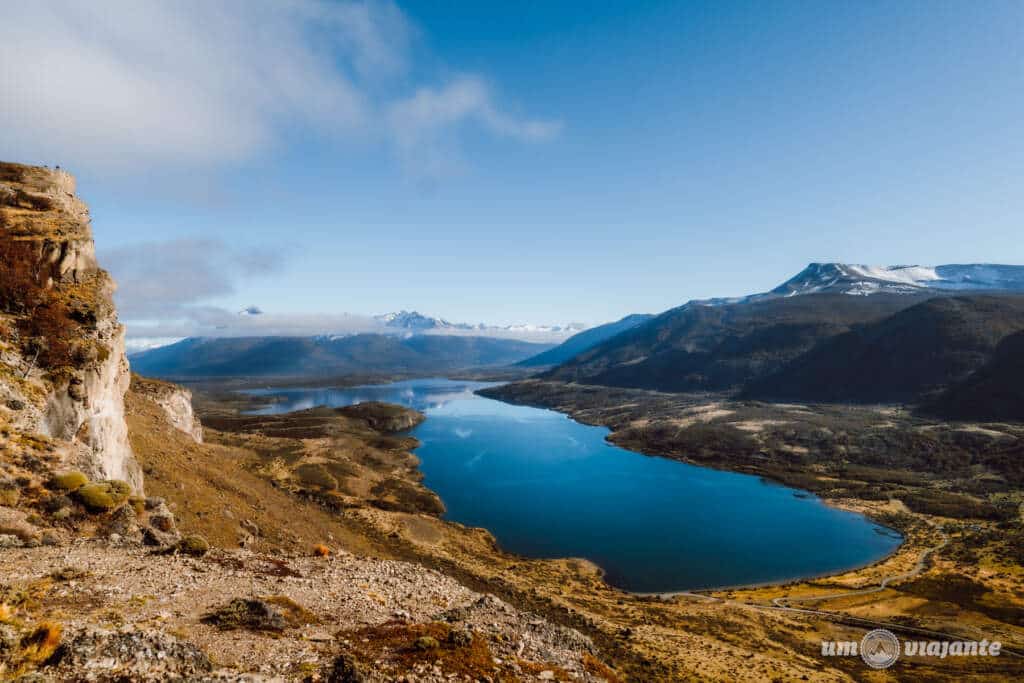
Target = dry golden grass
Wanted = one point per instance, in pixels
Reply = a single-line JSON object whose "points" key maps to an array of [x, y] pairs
{"points": [[41, 643], [212, 488], [395, 646]]}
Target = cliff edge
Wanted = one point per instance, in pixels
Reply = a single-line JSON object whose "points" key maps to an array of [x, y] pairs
{"points": [[63, 370]]}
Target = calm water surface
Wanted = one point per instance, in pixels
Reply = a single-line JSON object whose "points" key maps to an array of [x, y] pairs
{"points": [[547, 486]]}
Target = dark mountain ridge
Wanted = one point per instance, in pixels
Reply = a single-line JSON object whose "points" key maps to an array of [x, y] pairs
{"points": [[578, 343], [994, 392], [716, 348], [904, 358]]}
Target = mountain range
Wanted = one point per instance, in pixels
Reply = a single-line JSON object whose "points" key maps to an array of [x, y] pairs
{"points": [[204, 357], [861, 280], [832, 333], [907, 357], [416, 322]]}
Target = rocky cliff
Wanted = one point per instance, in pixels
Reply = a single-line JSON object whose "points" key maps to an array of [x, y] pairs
{"points": [[175, 402], [63, 370]]}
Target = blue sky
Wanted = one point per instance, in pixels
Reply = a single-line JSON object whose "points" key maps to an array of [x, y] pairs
{"points": [[517, 161]]}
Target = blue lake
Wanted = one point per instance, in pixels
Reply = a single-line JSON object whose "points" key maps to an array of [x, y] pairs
{"points": [[547, 486]]}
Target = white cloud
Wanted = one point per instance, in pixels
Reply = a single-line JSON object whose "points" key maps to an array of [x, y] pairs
{"points": [[172, 279], [418, 122], [128, 83], [166, 289], [465, 98], [209, 321], [212, 321]]}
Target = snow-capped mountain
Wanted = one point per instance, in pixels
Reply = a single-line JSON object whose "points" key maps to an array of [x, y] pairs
{"points": [[571, 328], [861, 280], [138, 344], [414, 322]]}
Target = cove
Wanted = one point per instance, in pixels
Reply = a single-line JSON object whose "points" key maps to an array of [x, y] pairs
{"points": [[547, 486]]}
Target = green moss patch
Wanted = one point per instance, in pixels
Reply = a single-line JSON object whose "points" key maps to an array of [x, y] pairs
{"points": [[103, 496], [194, 545], [70, 481]]}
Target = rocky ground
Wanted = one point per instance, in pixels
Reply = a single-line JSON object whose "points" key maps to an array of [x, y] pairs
{"points": [[126, 611], [398, 589]]}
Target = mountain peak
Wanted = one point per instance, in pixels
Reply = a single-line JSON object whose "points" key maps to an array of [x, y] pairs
{"points": [[863, 280], [857, 279], [412, 320]]}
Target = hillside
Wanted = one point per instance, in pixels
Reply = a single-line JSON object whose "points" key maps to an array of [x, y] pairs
{"points": [[903, 358], [578, 343], [105, 581], [307, 356], [994, 392], [714, 348]]}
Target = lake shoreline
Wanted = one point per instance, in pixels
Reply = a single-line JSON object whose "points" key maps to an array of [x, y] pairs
{"points": [[598, 468], [872, 517], [575, 593]]}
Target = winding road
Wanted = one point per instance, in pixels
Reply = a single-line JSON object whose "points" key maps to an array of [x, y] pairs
{"points": [[783, 604]]}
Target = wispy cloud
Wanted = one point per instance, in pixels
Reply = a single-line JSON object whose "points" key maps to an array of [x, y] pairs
{"points": [[212, 321], [128, 83], [420, 121], [168, 290], [173, 279]]}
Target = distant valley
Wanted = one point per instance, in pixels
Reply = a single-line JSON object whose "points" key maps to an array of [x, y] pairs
{"points": [[223, 357], [833, 333]]}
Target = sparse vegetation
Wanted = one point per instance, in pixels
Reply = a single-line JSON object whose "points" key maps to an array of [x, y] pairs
{"points": [[253, 615], [70, 481], [401, 647], [40, 644], [193, 544], [965, 593], [103, 496], [52, 322]]}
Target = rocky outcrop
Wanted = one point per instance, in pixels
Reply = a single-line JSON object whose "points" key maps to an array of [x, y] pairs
{"points": [[175, 401], [383, 417], [63, 370], [178, 406], [89, 409]]}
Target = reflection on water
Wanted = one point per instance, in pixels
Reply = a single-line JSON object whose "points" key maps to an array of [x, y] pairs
{"points": [[421, 394], [547, 486]]}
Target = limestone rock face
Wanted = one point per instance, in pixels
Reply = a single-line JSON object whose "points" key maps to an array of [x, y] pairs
{"points": [[63, 369], [178, 406], [176, 402]]}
